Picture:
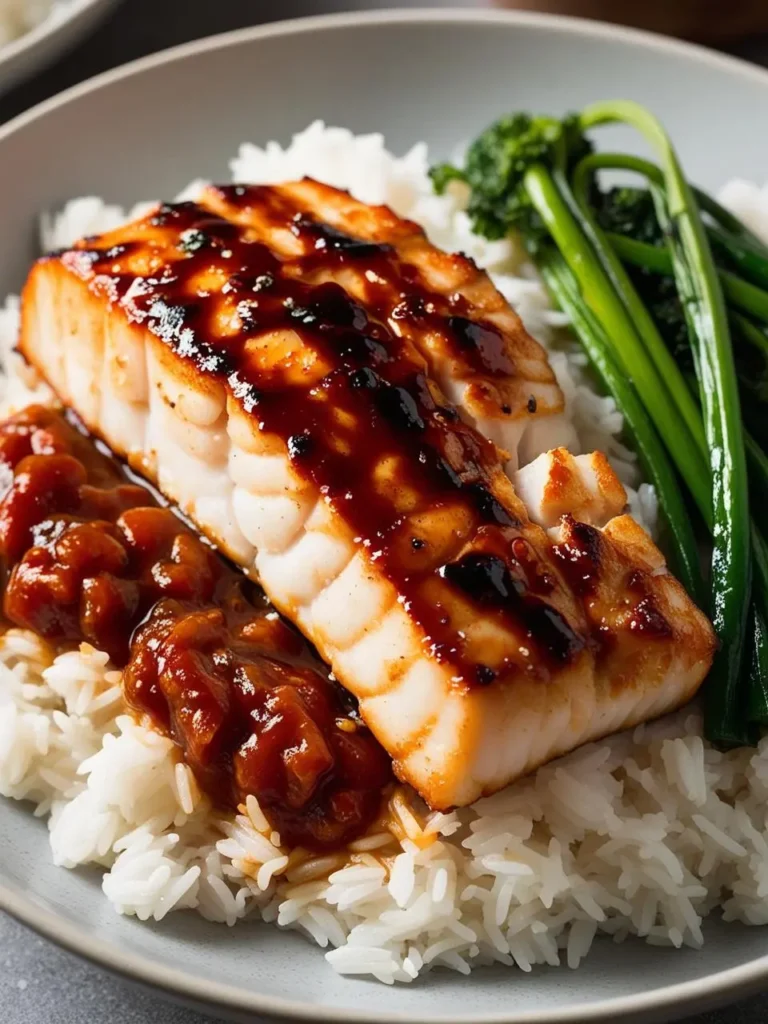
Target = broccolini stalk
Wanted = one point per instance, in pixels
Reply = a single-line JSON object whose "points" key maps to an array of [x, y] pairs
{"points": [[564, 289], [536, 176], [742, 256], [699, 286], [758, 668], [745, 252], [741, 294], [757, 705], [651, 338], [628, 347], [758, 470], [730, 225]]}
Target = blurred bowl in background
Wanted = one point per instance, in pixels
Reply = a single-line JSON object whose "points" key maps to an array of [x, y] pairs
{"points": [[43, 44], [706, 21]]}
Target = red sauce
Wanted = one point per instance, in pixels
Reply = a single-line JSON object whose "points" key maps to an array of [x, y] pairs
{"points": [[90, 556], [353, 385]]}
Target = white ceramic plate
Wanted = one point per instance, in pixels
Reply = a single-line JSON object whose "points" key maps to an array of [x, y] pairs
{"points": [[145, 131], [48, 40]]}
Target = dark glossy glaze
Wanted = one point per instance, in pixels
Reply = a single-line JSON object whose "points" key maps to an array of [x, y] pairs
{"points": [[582, 555], [90, 556], [347, 396]]}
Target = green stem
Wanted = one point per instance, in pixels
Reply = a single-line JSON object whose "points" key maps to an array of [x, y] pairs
{"points": [[758, 668], [742, 294], [564, 289], [758, 470], [730, 224], [708, 324], [728, 235], [757, 704], [628, 347], [751, 263], [654, 344]]}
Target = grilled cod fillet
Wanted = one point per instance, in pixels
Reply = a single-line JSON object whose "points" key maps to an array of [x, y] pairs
{"points": [[351, 415]]}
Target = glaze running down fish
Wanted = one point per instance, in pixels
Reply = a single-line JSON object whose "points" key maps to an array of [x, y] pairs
{"points": [[363, 424]]}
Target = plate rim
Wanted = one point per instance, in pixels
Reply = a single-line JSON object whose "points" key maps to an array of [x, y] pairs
{"points": [[672, 1000]]}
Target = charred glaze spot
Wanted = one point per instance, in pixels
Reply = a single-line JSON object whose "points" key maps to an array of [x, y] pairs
{"points": [[647, 621], [359, 348], [417, 543], [486, 341], [490, 507], [327, 238], [488, 581], [444, 468], [335, 308], [580, 555], [485, 675], [365, 379], [299, 445], [449, 413], [532, 405], [328, 309], [506, 409], [398, 405], [485, 578], [410, 307], [167, 213]]}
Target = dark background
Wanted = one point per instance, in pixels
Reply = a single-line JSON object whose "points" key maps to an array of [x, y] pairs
{"points": [[39, 984]]}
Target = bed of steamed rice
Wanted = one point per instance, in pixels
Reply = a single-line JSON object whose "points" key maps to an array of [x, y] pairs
{"points": [[644, 834]]}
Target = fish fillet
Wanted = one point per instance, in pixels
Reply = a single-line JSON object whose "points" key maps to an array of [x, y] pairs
{"points": [[352, 415]]}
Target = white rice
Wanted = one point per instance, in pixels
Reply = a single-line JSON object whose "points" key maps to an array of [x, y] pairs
{"points": [[644, 834]]}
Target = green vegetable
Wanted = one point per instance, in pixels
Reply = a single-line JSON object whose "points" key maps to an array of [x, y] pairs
{"points": [[741, 250], [626, 211], [753, 366], [635, 272], [563, 288], [741, 294], [699, 286], [650, 338], [757, 707], [758, 669], [748, 259], [758, 471], [516, 172], [496, 164]]}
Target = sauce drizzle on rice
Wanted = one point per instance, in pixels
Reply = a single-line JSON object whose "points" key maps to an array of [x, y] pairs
{"points": [[90, 556]]}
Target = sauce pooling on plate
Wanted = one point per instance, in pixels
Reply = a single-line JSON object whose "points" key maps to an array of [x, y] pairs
{"points": [[90, 556]]}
